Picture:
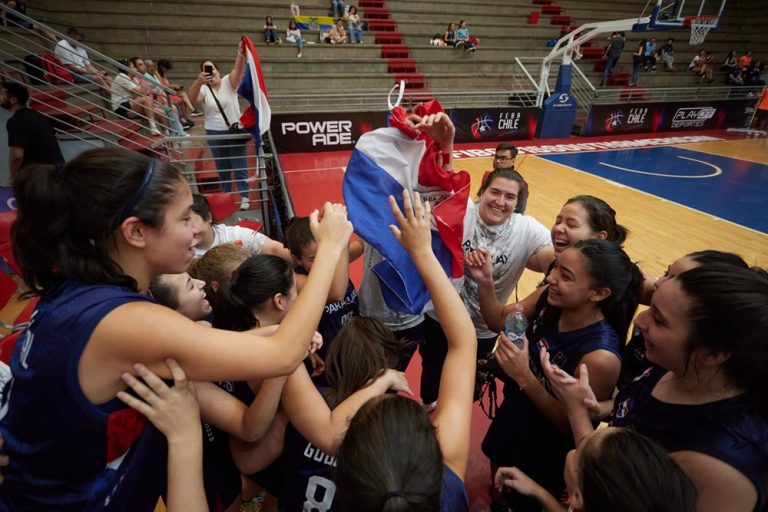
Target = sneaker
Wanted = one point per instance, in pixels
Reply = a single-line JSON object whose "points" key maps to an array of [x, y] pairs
{"points": [[472, 49], [188, 124], [298, 55], [195, 113], [245, 204]]}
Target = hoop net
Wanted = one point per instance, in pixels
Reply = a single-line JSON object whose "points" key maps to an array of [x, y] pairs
{"points": [[700, 27]]}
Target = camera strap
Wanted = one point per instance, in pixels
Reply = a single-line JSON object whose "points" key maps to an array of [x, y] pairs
{"points": [[226, 121]]}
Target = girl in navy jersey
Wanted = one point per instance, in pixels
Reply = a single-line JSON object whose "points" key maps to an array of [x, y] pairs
{"points": [[90, 236], [393, 457], [706, 398], [582, 317], [612, 469]]}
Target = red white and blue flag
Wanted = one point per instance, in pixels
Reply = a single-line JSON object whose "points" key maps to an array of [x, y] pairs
{"points": [[257, 117], [385, 162]]}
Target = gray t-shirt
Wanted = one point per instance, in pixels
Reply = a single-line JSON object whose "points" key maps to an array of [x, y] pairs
{"points": [[616, 45]]}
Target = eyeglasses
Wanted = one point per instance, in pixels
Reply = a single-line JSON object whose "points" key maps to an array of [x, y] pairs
{"points": [[502, 158]]}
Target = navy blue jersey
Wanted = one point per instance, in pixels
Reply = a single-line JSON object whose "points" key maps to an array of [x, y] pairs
{"points": [[307, 474], [726, 429], [453, 494], [633, 362], [335, 315], [521, 435], [65, 452]]}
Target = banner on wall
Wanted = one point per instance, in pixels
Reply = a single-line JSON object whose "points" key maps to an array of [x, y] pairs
{"points": [[665, 117], [333, 131], [494, 124]]}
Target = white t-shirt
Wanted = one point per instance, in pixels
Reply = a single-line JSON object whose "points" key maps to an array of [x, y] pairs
{"points": [[229, 102], [511, 245], [74, 55], [246, 238], [122, 87]]}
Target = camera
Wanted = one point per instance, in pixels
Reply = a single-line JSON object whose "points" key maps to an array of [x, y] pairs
{"points": [[208, 69]]}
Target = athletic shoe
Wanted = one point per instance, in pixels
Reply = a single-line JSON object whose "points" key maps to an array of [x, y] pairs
{"points": [[298, 56], [195, 113], [245, 204], [188, 124]]}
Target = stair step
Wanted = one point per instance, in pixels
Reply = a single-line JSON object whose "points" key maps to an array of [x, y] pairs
{"points": [[551, 9], [401, 65], [382, 25], [371, 3], [389, 51], [560, 19], [376, 13], [388, 38], [412, 80]]}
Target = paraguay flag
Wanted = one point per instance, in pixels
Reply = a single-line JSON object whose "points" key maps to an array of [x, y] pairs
{"points": [[257, 117], [385, 162]]}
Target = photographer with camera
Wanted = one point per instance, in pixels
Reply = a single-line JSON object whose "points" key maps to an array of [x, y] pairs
{"points": [[218, 97]]}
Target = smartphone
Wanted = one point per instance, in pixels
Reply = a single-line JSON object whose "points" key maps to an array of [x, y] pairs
{"points": [[208, 68]]}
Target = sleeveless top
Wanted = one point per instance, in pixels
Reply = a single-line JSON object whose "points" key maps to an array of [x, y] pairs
{"points": [[66, 453], [725, 429], [518, 422]]}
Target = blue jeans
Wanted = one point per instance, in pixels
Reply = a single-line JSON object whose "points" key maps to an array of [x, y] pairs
{"points": [[636, 67], [355, 29], [338, 8], [230, 158], [610, 67], [270, 35]]}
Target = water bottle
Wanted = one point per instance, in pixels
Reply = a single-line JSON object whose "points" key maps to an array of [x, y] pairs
{"points": [[515, 325]]}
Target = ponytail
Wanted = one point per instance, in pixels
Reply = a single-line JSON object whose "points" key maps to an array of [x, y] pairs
{"points": [[601, 217], [69, 214], [231, 313]]}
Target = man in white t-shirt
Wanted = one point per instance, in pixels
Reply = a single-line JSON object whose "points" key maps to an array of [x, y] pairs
{"points": [[75, 59]]}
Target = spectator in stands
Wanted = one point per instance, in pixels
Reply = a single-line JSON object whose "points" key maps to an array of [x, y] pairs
{"points": [[668, 55], [354, 26], [730, 62], [270, 31], [293, 35], [637, 62], [505, 156], [10, 20], [158, 97], [612, 55], [76, 60], [337, 34], [163, 67], [31, 138], [295, 10], [649, 55], [338, 8], [450, 35], [745, 60], [220, 103], [701, 65], [753, 73], [131, 100], [463, 39], [734, 77]]}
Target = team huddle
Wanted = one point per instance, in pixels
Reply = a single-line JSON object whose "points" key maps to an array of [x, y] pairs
{"points": [[171, 356]]}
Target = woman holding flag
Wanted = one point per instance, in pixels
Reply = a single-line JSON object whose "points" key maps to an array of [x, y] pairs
{"points": [[218, 97]]}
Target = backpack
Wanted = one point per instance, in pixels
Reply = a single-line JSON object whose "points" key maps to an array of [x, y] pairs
{"points": [[55, 72], [34, 69]]}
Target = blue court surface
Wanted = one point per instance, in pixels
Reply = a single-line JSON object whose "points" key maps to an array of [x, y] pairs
{"points": [[728, 188]]}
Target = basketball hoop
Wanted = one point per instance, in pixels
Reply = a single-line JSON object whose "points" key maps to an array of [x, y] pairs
{"points": [[700, 27]]}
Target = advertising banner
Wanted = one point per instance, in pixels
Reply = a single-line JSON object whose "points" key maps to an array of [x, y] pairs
{"points": [[494, 124], [306, 133], [665, 117]]}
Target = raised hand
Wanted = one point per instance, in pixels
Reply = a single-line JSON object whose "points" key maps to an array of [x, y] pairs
{"points": [[479, 265], [572, 392], [397, 381], [333, 229], [414, 232]]}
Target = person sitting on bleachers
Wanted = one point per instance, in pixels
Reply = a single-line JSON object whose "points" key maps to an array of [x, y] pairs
{"points": [[293, 35], [338, 8], [131, 101], [338, 35], [161, 71], [462, 38], [701, 65], [649, 55], [354, 25], [270, 31], [734, 77], [753, 73], [667, 54], [745, 60], [730, 62], [450, 35], [75, 59]]}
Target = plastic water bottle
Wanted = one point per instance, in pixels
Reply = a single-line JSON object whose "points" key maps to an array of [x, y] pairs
{"points": [[515, 325]]}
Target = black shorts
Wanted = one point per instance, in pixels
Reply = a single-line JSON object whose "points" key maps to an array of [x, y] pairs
{"points": [[123, 109]]}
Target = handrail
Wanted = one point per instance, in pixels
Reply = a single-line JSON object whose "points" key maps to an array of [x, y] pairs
{"points": [[608, 96], [290, 210]]}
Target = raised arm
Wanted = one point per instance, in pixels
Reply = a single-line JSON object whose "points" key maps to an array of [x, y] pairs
{"points": [[236, 75], [457, 381], [308, 412]]}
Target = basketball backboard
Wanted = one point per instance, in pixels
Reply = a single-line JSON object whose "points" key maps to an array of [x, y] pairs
{"points": [[677, 14]]}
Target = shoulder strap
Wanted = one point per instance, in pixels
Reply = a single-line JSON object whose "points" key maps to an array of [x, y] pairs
{"points": [[226, 121]]}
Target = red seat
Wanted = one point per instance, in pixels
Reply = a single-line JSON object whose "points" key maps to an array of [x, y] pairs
{"points": [[222, 205]]}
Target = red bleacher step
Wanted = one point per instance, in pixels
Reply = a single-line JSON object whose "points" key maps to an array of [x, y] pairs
{"points": [[551, 9], [393, 51], [412, 80], [560, 19], [599, 66], [619, 79], [542, 2], [567, 29], [382, 25], [371, 3], [592, 53], [376, 13], [401, 65], [390, 38]]}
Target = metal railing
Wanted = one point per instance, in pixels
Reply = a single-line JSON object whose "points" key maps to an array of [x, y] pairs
{"points": [[610, 96]]}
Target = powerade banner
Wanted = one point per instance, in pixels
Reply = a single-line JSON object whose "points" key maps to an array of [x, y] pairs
{"points": [[494, 124], [306, 133], [665, 117]]}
